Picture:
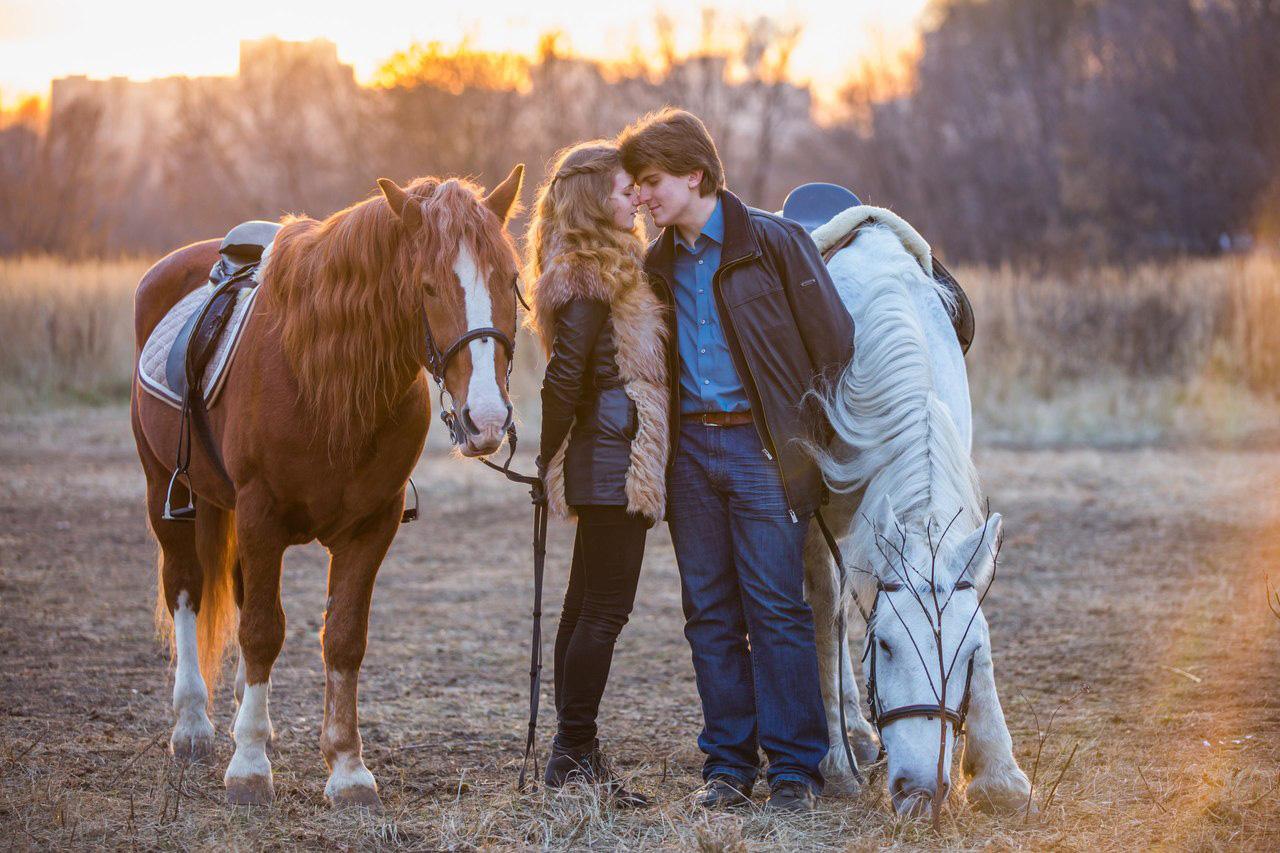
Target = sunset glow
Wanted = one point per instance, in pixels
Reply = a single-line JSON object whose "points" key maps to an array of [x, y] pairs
{"points": [[142, 39]]}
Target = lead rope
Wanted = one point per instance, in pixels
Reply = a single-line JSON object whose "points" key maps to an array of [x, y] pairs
{"points": [[843, 643]]}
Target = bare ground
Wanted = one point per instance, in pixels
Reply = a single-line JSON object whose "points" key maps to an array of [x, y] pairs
{"points": [[1136, 572]]}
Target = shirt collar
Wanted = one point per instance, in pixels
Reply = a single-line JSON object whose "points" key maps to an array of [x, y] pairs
{"points": [[713, 229]]}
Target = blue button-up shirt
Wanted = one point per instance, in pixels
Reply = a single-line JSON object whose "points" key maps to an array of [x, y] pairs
{"points": [[708, 380]]}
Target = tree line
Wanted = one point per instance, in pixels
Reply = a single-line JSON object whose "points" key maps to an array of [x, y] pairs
{"points": [[1017, 131]]}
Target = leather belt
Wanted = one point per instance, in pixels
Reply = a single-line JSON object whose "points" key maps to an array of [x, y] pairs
{"points": [[720, 419]]}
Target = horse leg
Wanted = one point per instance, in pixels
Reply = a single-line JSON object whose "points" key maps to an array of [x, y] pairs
{"points": [[996, 783], [192, 592], [238, 588], [822, 587], [193, 734], [352, 569], [248, 776]]}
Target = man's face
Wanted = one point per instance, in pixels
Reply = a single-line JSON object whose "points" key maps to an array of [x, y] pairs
{"points": [[666, 196]]}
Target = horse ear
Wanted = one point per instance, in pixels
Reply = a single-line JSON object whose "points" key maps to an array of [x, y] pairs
{"points": [[395, 196], [884, 519], [976, 555], [502, 200], [401, 203], [884, 524]]}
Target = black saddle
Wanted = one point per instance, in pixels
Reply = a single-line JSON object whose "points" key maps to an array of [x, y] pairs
{"points": [[813, 205], [240, 254]]}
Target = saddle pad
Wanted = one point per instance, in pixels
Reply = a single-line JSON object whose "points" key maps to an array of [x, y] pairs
{"points": [[151, 365]]}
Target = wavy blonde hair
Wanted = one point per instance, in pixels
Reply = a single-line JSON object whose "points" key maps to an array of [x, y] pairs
{"points": [[572, 223]]}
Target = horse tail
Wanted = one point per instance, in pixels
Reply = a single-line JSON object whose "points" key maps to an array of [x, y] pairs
{"points": [[216, 620]]}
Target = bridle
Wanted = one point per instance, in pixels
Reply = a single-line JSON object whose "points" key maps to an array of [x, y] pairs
{"points": [[881, 718], [437, 362]]}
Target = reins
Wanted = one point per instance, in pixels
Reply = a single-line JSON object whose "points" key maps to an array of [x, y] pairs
{"points": [[841, 641], [436, 363]]}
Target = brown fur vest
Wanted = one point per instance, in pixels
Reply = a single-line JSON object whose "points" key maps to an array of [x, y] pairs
{"points": [[640, 335]]}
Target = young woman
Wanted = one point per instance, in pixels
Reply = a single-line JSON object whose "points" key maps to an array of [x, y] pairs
{"points": [[604, 426]]}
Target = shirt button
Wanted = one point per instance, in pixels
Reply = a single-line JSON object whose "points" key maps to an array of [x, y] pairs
{"points": [[704, 322], [699, 261], [706, 382], [703, 350], [700, 290]]}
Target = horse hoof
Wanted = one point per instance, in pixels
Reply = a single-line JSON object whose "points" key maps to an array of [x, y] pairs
{"points": [[997, 799], [250, 791], [190, 748], [865, 749], [356, 797]]}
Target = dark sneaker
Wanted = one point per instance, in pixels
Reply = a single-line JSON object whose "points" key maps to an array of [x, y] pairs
{"points": [[723, 792], [788, 797], [590, 766]]}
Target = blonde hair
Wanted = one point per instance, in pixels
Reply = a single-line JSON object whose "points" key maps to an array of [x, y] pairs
{"points": [[573, 223]]}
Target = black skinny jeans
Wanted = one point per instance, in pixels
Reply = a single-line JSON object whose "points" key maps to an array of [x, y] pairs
{"points": [[607, 553]]}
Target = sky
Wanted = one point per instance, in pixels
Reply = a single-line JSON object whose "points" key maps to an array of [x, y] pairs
{"points": [[43, 39]]}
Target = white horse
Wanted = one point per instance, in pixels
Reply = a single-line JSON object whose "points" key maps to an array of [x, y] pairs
{"points": [[907, 509]]}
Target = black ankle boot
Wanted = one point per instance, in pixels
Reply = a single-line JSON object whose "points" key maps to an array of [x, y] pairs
{"points": [[588, 764]]}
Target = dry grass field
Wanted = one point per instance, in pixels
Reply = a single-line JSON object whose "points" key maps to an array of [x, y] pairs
{"points": [[1136, 572], [1127, 424], [1116, 356]]}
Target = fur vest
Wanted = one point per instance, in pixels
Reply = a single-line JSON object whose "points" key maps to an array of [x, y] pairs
{"points": [[640, 333]]}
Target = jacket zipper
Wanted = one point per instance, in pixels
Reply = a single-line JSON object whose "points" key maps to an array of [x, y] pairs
{"points": [[768, 436]]}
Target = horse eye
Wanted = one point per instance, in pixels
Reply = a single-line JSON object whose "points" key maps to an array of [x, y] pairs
{"points": [[884, 647], [964, 584]]}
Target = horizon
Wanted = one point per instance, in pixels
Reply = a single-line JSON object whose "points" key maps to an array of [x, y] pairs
{"points": [[132, 39]]}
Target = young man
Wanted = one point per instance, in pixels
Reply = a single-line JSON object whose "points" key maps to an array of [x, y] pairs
{"points": [[755, 323]]}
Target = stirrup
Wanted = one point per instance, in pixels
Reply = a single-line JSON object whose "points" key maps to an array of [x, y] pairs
{"points": [[182, 513]]}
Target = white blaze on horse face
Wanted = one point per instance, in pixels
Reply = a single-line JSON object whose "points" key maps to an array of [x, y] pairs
{"points": [[485, 404], [192, 731]]}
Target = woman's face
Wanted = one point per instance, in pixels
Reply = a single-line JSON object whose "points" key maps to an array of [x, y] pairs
{"points": [[622, 200]]}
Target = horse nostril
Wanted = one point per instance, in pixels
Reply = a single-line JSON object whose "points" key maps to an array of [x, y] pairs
{"points": [[467, 423], [912, 795]]}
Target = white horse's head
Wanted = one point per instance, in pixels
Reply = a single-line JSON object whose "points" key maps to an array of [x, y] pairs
{"points": [[926, 629]]}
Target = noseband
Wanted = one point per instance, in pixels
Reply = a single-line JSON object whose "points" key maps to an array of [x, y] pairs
{"points": [[882, 718], [437, 362]]}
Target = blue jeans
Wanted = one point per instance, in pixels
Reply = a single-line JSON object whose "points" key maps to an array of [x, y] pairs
{"points": [[748, 625]]}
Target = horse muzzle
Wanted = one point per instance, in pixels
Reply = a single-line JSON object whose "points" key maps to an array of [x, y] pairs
{"points": [[480, 433], [913, 796]]}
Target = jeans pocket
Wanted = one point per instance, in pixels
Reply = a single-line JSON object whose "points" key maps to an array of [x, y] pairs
{"points": [[757, 483]]}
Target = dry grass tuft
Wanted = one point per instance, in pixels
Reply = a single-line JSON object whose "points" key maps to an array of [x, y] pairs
{"points": [[1127, 355], [66, 329]]}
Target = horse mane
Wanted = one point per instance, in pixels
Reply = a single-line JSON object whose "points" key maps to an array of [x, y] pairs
{"points": [[893, 434], [349, 295]]}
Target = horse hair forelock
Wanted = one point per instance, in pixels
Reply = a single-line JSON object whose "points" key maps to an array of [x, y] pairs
{"points": [[893, 435]]}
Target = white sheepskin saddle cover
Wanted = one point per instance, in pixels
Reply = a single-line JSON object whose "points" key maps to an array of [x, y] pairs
{"points": [[151, 365]]}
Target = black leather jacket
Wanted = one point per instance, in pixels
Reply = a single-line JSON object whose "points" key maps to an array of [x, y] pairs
{"points": [[583, 390], [786, 329]]}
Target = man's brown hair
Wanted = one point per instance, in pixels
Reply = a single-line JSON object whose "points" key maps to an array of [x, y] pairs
{"points": [[675, 141]]}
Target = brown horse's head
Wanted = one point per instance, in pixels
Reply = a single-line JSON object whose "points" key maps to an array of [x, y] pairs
{"points": [[459, 264]]}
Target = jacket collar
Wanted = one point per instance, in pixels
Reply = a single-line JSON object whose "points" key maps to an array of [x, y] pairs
{"points": [[739, 240]]}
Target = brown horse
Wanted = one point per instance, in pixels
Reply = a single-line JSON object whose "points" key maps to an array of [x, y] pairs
{"points": [[319, 424]]}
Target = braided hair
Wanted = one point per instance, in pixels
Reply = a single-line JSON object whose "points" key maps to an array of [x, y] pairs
{"points": [[572, 221]]}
